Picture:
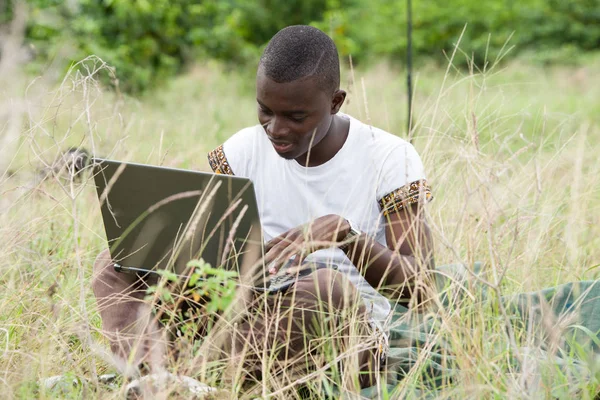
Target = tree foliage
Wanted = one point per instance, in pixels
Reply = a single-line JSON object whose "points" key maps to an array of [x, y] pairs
{"points": [[150, 40]]}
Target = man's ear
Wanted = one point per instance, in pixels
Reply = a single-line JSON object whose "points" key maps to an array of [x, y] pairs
{"points": [[338, 99]]}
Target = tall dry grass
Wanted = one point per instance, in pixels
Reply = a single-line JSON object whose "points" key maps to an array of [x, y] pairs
{"points": [[510, 152]]}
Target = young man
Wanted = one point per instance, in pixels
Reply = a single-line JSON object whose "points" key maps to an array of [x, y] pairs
{"points": [[329, 188]]}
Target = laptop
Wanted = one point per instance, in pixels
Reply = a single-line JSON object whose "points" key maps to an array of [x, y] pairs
{"points": [[158, 218]]}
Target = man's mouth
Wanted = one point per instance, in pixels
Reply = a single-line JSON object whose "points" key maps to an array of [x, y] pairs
{"points": [[281, 147]]}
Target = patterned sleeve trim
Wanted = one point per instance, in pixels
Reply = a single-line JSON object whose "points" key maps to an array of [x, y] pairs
{"points": [[218, 162], [414, 192]]}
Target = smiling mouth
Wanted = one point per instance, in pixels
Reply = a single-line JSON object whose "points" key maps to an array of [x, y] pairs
{"points": [[281, 147]]}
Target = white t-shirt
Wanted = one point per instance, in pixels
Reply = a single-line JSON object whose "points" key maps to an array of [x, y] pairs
{"points": [[374, 171]]}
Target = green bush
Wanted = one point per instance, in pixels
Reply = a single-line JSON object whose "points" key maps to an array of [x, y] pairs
{"points": [[150, 40], [378, 27], [146, 41]]}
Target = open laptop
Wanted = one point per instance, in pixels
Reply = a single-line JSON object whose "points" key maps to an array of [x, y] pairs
{"points": [[159, 218]]}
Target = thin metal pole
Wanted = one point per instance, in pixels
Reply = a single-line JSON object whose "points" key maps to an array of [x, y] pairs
{"points": [[409, 64]]}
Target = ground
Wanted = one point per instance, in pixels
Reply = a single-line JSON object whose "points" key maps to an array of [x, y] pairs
{"points": [[510, 152]]}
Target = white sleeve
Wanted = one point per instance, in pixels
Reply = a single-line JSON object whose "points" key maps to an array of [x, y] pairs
{"points": [[235, 155], [402, 180]]}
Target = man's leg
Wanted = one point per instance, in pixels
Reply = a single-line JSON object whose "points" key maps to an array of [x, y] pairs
{"points": [[323, 306], [330, 308], [127, 319]]}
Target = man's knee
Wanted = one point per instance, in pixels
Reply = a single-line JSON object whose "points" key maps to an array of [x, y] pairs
{"points": [[106, 281], [101, 271], [102, 261], [119, 296], [330, 287]]}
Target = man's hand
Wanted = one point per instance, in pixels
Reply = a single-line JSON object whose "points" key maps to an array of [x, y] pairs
{"points": [[323, 232]]}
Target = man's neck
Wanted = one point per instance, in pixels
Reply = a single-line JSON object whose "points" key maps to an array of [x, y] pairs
{"points": [[328, 147]]}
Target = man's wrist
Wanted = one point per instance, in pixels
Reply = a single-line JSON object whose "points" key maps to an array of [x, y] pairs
{"points": [[350, 235], [342, 232]]}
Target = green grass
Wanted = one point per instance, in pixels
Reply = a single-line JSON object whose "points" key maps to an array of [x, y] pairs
{"points": [[511, 154]]}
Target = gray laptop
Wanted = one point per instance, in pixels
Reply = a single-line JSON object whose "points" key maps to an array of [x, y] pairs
{"points": [[161, 218]]}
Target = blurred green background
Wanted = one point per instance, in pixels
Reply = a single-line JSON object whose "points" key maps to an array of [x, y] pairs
{"points": [[149, 41], [509, 134]]}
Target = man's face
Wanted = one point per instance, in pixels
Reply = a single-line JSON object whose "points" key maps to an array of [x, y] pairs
{"points": [[296, 115]]}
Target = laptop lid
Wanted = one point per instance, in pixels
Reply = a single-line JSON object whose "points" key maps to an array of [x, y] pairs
{"points": [[161, 218]]}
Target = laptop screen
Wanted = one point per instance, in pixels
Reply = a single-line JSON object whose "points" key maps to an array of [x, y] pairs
{"points": [[161, 218]]}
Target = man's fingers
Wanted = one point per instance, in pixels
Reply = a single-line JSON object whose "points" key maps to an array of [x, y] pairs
{"points": [[276, 257], [280, 254], [286, 238], [300, 255], [301, 248], [273, 254], [273, 242], [283, 238]]}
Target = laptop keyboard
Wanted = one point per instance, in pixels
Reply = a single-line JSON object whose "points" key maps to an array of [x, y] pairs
{"points": [[283, 280]]}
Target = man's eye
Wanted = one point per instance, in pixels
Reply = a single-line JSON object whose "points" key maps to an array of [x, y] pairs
{"points": [[298, 119], [266, 112]]}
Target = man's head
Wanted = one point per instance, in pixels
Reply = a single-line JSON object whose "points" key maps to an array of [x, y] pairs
{"points": [[297, 89]]}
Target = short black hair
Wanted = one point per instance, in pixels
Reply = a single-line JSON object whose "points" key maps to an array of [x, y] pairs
{"points": [[300, 51]]}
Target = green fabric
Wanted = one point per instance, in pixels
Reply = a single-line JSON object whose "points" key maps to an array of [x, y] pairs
{"points": [[577, 304]]}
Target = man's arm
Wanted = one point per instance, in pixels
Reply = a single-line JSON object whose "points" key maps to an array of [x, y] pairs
{"points": [[409, 249]]}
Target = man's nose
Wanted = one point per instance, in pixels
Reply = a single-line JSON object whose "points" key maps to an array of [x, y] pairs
{"points": [[277, 128]]}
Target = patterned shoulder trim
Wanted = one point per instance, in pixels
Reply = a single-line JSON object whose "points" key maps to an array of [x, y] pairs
{"points": [[414, 192], [218, 162]]}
